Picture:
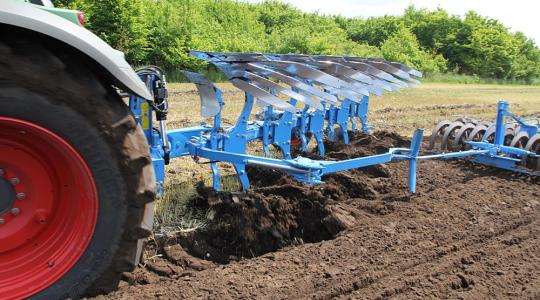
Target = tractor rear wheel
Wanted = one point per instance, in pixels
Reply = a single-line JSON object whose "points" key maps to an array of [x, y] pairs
{"points": [[76, 179]]}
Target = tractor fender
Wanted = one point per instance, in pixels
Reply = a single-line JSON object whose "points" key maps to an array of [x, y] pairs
{"points": [[26, 16]]}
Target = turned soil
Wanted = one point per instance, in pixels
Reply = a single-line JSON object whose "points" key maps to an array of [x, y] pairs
{"points": [[470, 232]]}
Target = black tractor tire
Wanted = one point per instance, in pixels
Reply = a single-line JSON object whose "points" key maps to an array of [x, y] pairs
{"points": [[60, 89]]}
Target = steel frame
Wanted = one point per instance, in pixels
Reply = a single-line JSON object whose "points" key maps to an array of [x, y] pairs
{"points": [[279, 123]]}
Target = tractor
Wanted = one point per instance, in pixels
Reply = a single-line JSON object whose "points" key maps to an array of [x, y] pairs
{"points": [[76, 177], [84, 141]]}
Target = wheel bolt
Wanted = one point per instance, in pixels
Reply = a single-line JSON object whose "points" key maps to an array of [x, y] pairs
{"points": [[21, 196], [15, 211], [15, 181], [40, 216], [1, 221]]}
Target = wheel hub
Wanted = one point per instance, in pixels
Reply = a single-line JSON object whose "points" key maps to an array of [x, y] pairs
{"points": [[48, 208], [7, 195]]}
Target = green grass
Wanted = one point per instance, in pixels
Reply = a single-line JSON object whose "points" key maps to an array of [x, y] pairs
{"points": [[402, 112], [473, 79], [211, 73]]}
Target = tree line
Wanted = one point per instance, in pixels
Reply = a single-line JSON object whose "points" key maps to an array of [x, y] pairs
{"points": [[162, 31]]}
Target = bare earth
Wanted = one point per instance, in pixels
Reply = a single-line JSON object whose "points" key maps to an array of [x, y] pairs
{"points": [[470, 232]]}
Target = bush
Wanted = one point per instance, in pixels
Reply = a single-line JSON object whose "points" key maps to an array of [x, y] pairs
{"points": [[122, 24], [310, 33], [403, 47], [163, 31]]}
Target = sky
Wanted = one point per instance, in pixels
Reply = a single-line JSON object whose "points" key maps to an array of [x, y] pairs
{"points": [[519, 15]]}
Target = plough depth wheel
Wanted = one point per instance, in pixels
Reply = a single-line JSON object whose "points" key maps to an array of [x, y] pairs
{"points": [[533, 145], [73, 175]]}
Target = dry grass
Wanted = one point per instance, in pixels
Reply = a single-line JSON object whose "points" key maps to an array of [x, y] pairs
{"points": [[402, 112], [421, 106], [173, 212]]}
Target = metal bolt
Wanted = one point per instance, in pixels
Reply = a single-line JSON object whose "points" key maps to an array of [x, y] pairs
{"points": [[15, 211], [21, 196], [1, 221], [2, 172], [15, 181]]}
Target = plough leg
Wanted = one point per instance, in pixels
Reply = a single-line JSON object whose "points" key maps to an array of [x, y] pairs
{"points": [[363, 114], [216, 184], [242, 176]]}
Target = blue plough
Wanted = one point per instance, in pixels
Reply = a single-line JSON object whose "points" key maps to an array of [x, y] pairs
{"points": [[305, 98]]}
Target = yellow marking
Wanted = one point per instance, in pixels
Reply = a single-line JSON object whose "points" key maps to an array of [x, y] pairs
{"points": [[145, 118]]}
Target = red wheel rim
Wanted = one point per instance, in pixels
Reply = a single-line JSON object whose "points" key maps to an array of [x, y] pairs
{"points": [[50, 222]]}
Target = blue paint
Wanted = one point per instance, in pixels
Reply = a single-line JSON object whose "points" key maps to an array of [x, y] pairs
{"points": [[217, 143]]}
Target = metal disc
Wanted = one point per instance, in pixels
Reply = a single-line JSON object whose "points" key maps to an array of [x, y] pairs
{"points": [[533, 145], [477, 133], [450, 133], [437, 131], [458, 143], [520, 140]]}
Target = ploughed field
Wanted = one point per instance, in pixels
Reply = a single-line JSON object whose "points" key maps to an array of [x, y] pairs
{"points": [[469, 232]]}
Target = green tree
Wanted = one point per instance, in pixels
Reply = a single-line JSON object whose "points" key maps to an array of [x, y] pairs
{"points": [[122, 24], [527, 63], [403, 47], [435, 30], [316, 34], [274, 14], [484, 47], [373, 31], [163, 31], [70, 4], [227, 25], [169, 34]]}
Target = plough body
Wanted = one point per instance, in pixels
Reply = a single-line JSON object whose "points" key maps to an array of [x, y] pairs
{"points": [[302, 98]]}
